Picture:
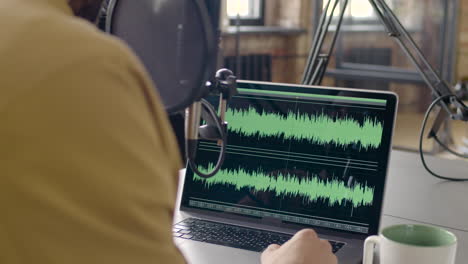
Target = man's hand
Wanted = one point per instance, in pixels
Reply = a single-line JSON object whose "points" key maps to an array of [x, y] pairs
{"points": [[304, 248]]}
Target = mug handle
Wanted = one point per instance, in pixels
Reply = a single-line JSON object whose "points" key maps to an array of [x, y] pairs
{"points": [[369, 249]]}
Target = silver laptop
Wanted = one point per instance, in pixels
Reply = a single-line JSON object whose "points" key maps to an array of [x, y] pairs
{"points": [[297, 157]]}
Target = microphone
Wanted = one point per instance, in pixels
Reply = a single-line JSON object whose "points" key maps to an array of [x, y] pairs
{"points": [[192, 125]]}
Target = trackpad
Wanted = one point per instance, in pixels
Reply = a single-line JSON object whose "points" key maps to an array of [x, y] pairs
{"points": [[204, 253]]}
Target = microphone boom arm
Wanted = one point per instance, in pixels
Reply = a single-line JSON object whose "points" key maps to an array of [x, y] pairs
{"points": [[452, 106]]}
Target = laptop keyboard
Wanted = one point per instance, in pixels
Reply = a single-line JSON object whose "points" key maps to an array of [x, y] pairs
{"points": [[232, 235]]}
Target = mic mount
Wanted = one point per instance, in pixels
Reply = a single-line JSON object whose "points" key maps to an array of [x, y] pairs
{"points": [[215, 127]]}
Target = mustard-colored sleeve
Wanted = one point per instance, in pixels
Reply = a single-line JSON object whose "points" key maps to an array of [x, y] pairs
{"points": [[91, 169]]}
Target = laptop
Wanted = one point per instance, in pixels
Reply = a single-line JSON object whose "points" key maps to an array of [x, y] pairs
{"points": [[297, 157]]}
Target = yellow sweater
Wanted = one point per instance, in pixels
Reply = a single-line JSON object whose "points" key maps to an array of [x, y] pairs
{"points": [[88, 164]]}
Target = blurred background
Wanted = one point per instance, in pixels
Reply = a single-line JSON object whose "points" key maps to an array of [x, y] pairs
{"points": [[269, 40]]}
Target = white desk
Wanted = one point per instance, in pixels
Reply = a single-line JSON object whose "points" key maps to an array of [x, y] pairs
{"points": [[414, 196]]}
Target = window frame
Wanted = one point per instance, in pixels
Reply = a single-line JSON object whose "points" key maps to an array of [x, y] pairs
{"points": [[260, 21], [348, 19]]}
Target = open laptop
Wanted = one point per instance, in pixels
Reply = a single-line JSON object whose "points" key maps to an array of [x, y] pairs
{"points": [[297, 157]]}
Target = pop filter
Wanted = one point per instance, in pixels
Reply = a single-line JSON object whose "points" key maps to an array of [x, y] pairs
{"points": [[177, 43], [174, 39]]}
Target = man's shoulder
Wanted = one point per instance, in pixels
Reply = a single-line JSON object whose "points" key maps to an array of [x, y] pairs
{"points": [[43, 45], [61, 39], [63, 42]]}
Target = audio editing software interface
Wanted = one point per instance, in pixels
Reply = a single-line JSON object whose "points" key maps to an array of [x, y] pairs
{"points": [[303, 158]]}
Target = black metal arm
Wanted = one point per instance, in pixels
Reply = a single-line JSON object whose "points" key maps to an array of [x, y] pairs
{"points": [[317, 63]]}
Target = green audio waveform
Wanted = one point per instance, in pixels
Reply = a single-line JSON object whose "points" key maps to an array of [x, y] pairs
{"points": [[319, 129], [312, 190]]}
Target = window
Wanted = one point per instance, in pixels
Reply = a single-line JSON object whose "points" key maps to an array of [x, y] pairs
{"points": [[357, 10], [250, 12]]}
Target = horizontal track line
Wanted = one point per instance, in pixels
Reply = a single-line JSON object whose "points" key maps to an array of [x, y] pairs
{"points": [[295, 153], [292, 160], [289, 156], [306, 102]]}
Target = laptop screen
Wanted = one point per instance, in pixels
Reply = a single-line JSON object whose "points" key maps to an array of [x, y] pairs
{"points": [[313, 156]]}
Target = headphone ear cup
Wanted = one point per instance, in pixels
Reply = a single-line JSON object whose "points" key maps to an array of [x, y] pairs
{"points": [[102, 16]]}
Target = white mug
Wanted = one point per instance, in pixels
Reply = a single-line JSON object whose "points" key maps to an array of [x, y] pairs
{"points": [[412, 244]]}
